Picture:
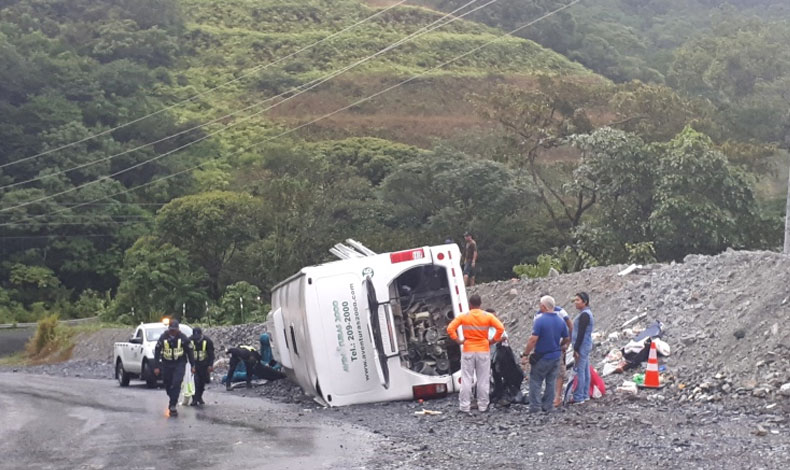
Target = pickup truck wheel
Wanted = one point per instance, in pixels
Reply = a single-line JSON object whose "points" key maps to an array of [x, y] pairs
{"points": [[120, 374], [148, 375]]}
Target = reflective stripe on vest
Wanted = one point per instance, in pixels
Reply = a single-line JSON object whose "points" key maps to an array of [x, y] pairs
{"points": [[248, 348], [172, 354], [200, 354]]}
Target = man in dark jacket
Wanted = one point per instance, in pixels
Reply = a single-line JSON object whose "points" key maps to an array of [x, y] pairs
{"points": [[204, 363], [251, 358], [506, 374], [173, 350]]}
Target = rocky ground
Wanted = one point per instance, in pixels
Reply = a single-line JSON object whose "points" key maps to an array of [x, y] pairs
{"points": [[723, 406], [725, 319]]}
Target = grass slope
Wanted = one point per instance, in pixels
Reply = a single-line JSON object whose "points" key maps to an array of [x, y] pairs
{"points": [[226, 39]]}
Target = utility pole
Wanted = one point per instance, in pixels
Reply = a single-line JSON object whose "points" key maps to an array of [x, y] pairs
{"points": [[208, 314], [241, 306], [787, 219], [786, 146]]}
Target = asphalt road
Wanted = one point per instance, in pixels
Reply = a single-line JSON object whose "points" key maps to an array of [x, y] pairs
{"points": [[63, 423], [13, 340]]}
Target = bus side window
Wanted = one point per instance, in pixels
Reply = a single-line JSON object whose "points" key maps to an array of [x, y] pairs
{"points": [[293, 340], [285, 336]]}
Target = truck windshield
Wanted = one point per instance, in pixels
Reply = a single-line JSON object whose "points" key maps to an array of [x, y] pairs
{"points": [[153, 334]]}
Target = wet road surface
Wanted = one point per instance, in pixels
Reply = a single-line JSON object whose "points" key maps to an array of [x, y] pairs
{"points": [[63, 423]]}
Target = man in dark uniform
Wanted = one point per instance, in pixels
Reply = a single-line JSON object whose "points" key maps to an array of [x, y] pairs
{"points": [[172, 351], [251, 358], [204, 363]]}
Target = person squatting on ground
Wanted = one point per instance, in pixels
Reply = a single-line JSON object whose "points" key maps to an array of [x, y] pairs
{"points": [[470, 260], [561, 371], [582, 345], [476, 356], [172, 351], [549, 337], [204, 363], [506, 374], [249, 356]]}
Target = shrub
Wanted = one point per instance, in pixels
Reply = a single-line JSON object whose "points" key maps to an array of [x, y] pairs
{"points": [[45, 336], [539, 269]]}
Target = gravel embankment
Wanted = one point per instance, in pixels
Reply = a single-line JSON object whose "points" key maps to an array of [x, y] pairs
{"points": [[724, 318]]}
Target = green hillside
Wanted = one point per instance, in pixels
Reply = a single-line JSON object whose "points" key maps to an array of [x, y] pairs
{"points": [[548, 163], [239, 35]]}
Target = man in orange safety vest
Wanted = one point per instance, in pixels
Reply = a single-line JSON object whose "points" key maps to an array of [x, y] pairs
{"points": [[476, 356]]}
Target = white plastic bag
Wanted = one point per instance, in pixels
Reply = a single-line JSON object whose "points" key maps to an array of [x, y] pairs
{"points": [[187, 386]]}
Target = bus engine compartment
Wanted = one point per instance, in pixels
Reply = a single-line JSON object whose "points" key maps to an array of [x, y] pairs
{"points": [[422, 307]]}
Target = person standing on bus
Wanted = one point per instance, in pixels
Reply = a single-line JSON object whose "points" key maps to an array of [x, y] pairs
{"points": [[476, 355], [470, 260]]}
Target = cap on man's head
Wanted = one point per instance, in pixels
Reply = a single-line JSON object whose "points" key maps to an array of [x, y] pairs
{"points": [[173, 324], [467, 234], [197, 332]]}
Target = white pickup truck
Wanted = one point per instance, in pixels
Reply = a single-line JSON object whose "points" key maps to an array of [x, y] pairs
{"points": [[135, 358]]}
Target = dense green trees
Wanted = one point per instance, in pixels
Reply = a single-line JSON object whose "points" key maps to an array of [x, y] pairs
{"points": [[159, 279], [682, 196]]}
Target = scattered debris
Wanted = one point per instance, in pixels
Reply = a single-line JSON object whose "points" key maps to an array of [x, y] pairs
{"points": [[629, 270], [628, 386], [634, 320]]}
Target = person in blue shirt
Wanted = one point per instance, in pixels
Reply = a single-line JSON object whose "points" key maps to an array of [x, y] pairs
{"points": [[582, 345], [561, 369], [549, 337]]}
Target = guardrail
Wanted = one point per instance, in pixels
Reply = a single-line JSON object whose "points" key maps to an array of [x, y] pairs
{"points": [[78, 321]]}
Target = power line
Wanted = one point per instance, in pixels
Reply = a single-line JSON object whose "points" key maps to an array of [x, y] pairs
{"points": [[95, 216], [96, 222], [122, 204], [424, 30], [356, 103], [29, 237], [210, 90]]}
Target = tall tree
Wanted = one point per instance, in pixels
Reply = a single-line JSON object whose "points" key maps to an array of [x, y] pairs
{"points": [[211, 228]]}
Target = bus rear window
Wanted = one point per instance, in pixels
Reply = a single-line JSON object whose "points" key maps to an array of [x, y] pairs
{"points": [[422, 307]]}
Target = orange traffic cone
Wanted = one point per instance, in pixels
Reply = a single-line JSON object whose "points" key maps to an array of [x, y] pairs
{"points": [[651, 376]]}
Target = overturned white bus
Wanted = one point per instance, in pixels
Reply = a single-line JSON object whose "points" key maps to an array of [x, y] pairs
{"points": [[371, 327]]}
